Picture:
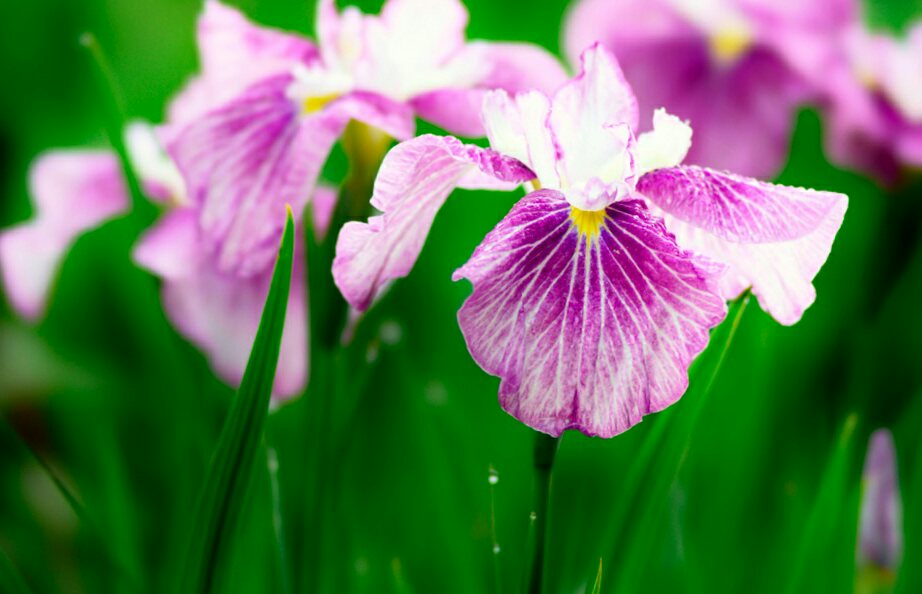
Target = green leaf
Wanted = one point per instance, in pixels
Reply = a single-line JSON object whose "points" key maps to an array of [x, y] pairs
{"points": [[11, 580], [597, 587], [115, 126], [669, 455], [231, 469]]}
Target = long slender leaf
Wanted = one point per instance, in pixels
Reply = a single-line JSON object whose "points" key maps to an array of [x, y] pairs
{"points": [[231, 469], [11, 581]]}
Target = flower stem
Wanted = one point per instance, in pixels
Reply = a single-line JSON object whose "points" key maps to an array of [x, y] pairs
{"points": [[544, 454]]}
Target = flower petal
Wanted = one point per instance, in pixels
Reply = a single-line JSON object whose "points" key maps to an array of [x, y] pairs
{"points": [[74, 191], [517, 126], [583, 112], [244, 162], [220, 312], [773, 238], [513, 67], [413, 182], [586, 330], [171, 248], [234, 54]]}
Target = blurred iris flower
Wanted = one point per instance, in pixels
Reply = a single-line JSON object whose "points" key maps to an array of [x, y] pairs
{"points": [[597, 290], [737, 70], [247, 136], [880, 531], [874, 101]]}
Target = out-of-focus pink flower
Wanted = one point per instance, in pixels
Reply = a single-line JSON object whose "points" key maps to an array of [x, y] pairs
{"points": [[737, 70], [874, 101], [597, 290], [263, 148], [880, 532]]}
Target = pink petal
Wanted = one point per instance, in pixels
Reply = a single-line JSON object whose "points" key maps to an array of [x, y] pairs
{"points": [[413, 182], [773, 238], [74, 191], [243, 163], [323, 205], [171, 249], [220, 312], [590, 332], [234, 54], [513, 67]]}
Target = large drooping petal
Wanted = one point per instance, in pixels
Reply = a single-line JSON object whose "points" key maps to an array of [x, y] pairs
{"points": [[73, 191], [773, 238], [219, 311], [234, 54], [414, 181], [590, 319], [244, 162]]}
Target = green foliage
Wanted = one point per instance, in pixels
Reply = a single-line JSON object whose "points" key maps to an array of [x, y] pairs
{"points": [[231, 470]]}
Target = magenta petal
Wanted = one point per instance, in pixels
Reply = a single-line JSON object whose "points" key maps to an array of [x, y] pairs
{"points": [[234, 54], [773, 238], [412, 184], [74, 191], [586, 332]]}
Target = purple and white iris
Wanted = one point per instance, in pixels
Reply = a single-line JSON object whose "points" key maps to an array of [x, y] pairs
{"points": [[594, 294], [245, 138], [737, 70]]}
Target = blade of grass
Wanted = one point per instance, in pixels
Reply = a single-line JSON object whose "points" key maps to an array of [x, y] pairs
{"points": [[11, 580], [597, 586], [231, 469], [115, 125], [825, 516], [272, 462]]}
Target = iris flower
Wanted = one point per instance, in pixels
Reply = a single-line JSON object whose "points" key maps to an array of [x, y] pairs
{"points": [[264, 147], [249, 135], [596, 291], [880, 531], [873, 99], [737, 70]]}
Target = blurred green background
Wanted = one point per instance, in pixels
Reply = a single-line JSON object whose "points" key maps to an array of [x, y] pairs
{"points": [[760, 494]]}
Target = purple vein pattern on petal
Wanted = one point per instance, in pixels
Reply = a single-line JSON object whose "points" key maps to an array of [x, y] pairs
{"points": [[244, 162], [773, 238], [414, 181], [74, 191], [234, 54], [219, 311], [590, 333]]}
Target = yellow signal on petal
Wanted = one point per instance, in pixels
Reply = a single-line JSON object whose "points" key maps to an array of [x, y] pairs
{"points": [[315, 104], [588, 223], [729, 44]]}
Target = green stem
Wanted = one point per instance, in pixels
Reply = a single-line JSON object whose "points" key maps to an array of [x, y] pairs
{"points": [[544, 454]]}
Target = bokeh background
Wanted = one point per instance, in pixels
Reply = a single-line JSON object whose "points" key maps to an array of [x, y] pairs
{"points": [[757, 493]]}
